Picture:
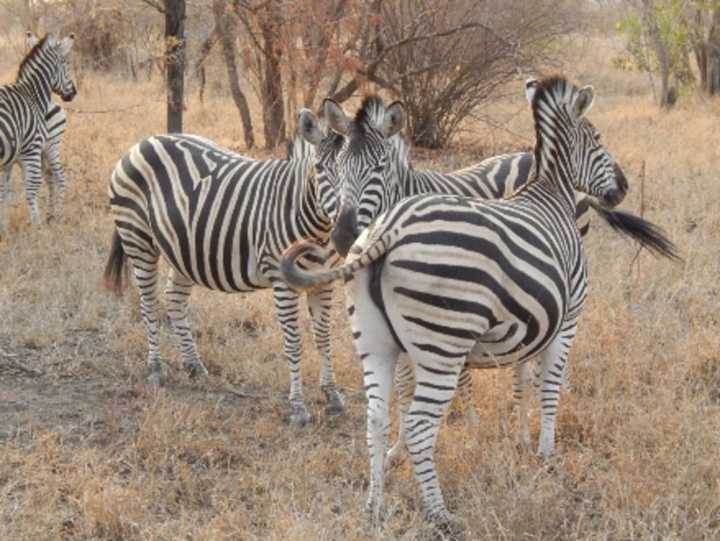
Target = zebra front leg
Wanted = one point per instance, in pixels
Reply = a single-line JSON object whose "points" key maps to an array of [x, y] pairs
{"points": [[319, 305], [466, 400], [287, 306], [551, 369], [521, 394], [6, 196], [404, 387], [56, 181], [436, 379], [31, 165], [177, 294]]}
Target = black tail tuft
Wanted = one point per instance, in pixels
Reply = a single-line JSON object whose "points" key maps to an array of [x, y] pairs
{"points": [[113, 275], [649, 235]]}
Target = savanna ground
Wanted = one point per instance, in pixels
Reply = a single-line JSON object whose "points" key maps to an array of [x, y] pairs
{"points": [[89, 451]]}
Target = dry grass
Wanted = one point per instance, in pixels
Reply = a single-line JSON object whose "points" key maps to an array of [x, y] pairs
{"points": [[90, 453]]}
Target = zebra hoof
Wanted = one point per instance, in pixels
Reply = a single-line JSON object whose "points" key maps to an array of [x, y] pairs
{"points": [[300, 417], [335, 405], [157, 377], [446, 524], [196, 370]]}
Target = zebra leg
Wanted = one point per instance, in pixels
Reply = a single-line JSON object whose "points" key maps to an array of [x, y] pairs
{"points": [[31, 165], [56, 181], [466, 399], [6, 195], [552, 367], [319, 305], [177, 294], [404, 387], [521, 394], [143, 259], [287, 305], [378, 369], [434, 389]]}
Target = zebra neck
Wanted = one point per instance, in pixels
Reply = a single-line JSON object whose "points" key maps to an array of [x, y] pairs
{"points": [[554, 176], [306, 205], [35, 86]]}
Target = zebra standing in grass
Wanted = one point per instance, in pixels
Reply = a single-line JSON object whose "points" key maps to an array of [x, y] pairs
{"points": [[451, 279], [221, 221], [24, 106], [376, 173]]}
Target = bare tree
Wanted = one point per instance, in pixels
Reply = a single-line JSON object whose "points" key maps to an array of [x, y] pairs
{"points": [[226, 26]]}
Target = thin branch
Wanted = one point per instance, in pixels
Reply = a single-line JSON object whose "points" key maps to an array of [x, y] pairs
{"points": [[154, 4]]}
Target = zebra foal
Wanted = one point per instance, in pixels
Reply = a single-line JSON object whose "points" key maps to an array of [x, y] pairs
{"points": [[221, 221], [451, 280], [24, 106]]}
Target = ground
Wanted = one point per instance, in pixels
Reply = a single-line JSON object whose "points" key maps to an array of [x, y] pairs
{"points": [[89, 451]]}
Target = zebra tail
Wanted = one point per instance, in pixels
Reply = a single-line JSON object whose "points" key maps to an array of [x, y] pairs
{"points": [[649, 235], [113, 275], [299, 278]]}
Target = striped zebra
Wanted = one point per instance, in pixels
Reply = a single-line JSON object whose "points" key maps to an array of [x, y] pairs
{"points": [[24, 107], [449, 279], [376, 173], [221, 221]]}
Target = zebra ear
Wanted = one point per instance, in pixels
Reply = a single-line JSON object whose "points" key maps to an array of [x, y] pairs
{"points": [[31, 39], [530, 88], [394, 119], [336, 117], [66, 44], [583, 102], [309, 127]]}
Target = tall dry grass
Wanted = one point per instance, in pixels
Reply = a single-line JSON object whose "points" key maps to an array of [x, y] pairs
{"points": [[89, 452]]}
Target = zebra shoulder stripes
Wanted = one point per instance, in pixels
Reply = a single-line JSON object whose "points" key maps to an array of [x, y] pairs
{"points": [[221, 221], [23, 109], [450, 279]]}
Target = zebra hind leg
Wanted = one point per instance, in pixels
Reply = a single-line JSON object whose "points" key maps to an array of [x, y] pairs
{"points": [[319, 305], [404, 387], [287, 307], [434, 389], [521, 395], [143, 258], [177, 294]]}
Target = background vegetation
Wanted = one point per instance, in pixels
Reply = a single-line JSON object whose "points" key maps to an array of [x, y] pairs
{"points": [[90, 452]]}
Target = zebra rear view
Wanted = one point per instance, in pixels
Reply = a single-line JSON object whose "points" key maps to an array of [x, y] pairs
{"points": [[221, 221], [24, 106], [451, 280]]}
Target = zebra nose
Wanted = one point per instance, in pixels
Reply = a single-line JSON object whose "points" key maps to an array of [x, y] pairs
{"points": [[345, 231]]}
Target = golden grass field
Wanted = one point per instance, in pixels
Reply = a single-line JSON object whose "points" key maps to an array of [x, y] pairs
{"points": [[88, 451]]}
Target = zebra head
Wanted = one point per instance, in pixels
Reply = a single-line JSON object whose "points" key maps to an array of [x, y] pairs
{"points": [[569, 143], [363, 165], [49, 57], [326, 144]]}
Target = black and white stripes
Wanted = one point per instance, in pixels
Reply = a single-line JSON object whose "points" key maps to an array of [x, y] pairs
{"points": [[450, 279], [24, 107], [221, 221]]}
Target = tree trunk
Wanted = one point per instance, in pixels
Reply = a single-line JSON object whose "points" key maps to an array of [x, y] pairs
{"points": [[175, 60], [225, 26], [711, 49], [272, 85], [667, 93]]}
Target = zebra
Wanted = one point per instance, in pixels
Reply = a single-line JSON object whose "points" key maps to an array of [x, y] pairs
{"points": [[221, 221], [450, 279], [56, 120], [377, 174], [24, 107]]}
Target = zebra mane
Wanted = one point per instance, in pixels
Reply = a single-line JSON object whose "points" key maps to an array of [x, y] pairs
{"points": [[369, 116], [32, 53]]}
